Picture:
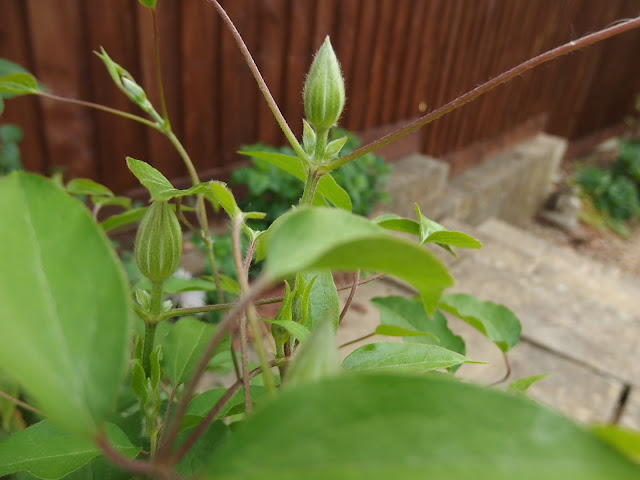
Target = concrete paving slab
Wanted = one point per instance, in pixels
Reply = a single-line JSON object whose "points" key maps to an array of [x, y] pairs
{"points": [[581, 327]]}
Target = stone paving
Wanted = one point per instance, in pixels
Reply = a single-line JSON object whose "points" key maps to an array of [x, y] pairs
{"points": [[581, 322]]}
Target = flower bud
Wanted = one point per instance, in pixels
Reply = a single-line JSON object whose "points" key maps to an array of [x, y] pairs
{"points": [[158, 244], [324, 89]]}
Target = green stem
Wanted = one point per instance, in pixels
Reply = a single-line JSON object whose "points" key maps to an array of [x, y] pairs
{"points": [[156, 49], [150, 325], [202, 210], [313, 177], [102, 108], [321, 145]]}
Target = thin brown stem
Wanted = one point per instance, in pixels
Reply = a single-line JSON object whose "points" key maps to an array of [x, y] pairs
{"points": [[165, 420], [507, 372], [487, 87], [256, 288], [273, 106], [120, 460], [351, 342], [213, 413], [249, 257], [21, 404], [178, 312], [186, 222], [352, 293], [97, 106]]}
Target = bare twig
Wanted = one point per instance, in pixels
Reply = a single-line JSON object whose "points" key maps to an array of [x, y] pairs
{"points": [[356, 340], [507, 373], [165, 420], [256, 288], [21, 404], [352, 293], [487, 87], [273, 106]]}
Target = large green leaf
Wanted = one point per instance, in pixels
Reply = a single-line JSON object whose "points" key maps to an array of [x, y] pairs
{"points": [[159, 187], [324, 303], [409, 313], [196, 458], [327, 186], [47, 452], [86, 186], [64, 303], [182, 347], [17, 84], [203, 403], [380, 426], [315, 238], [497, 322], [406, 357]]}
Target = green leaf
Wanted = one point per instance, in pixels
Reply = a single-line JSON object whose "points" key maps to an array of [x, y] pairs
{"points": [[228, 284], [397, 223], [17, 84], [177, 285], [393, 331], [433, 232], [327, 185], [202, 404], [624, 440], [406, 357], [198, 455], [299, 331], [124, 202], [224, 198], [158, 185], [10, 133], [316, 359], [496, 322], [65, 308], [149, 3], [324, 303], [121, 219], [410, 314], [86, 186], [381, 426], [49, 453], [522, 384], [315, 238], [182, 347]]}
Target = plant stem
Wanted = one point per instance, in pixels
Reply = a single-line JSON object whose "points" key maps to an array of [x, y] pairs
{"points": [[352, 293], [250, 311], [486, 87], [150, 325], [351, 342], [97, 106], [21, 404], [313, 177], [202, 210], [256, 288], [118, 459], [273, 106]]}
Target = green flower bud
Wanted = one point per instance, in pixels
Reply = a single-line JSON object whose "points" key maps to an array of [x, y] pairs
{"points": [[324, 89], [158, 244]]}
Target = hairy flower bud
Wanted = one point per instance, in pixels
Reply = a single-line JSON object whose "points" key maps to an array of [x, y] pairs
{"points": [[324, 89], [158, 244]]}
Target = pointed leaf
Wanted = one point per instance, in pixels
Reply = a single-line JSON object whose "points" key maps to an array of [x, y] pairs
{"points": [[17, 84], [299, 331], [61, 320], [377, 427], [409, 313], [522, 384], [324, 303], [159, 186], [327, 185], [123, 202], [121, 219], [399, 224], [393, 331], [86, 186], [496, 322], [183, 346], [149, 3], [406, 357], [49, 453], [314, 238], [224, 197], [316, 359], [202, 404]]}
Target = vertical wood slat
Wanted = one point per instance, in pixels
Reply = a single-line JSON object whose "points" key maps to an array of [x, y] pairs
{"points": [[23, 111], [114, 29], [397, 56], [239, 93], [57, 41], [201, 84], [161, 154]]}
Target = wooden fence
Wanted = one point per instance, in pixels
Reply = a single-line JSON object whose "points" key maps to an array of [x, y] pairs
{"points": [[400, 58]]}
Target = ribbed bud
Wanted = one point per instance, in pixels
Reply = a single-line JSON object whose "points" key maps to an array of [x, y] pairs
{"points": [[324, 89], [158, 244]]}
